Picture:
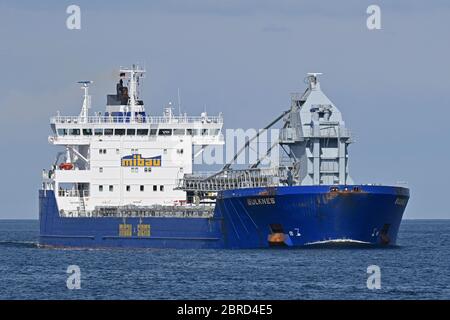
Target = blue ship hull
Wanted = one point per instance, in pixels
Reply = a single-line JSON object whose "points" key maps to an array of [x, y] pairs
{"points": [[246, 218]]}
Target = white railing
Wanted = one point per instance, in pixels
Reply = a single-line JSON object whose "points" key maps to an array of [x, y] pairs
{"points": [[233, 179], [137, 119], [330, 132], [73, 193]]}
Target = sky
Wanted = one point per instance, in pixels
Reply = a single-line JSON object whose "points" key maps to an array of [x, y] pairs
{"points": [[242, 58]]}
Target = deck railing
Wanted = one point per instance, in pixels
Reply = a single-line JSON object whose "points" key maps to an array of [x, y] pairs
{"points": [[137, 119], [233, 179], [73, 193]]}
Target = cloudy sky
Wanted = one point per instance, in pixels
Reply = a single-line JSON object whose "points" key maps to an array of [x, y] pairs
{"points": [[242, 58]]}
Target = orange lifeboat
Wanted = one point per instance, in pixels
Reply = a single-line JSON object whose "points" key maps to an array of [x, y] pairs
{"points": [[66, 166]]}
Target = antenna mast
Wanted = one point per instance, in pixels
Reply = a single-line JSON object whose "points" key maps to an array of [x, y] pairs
{"points": [[86, 100], [135, 74]]}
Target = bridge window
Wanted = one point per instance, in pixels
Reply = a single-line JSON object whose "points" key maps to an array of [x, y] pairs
{"points": [[109, 132], [100, 188], [214, 132], [161, 188], [74, 132], [142, 132], [87, 132], [62, 132], [165, 132], [155, 188], [131, 132], [192, 132], [119, 132], [111, 188], [179, 132], [100, 169], [141, 188], [98, 132], [204, 132], [128, 188], [153, 132]]}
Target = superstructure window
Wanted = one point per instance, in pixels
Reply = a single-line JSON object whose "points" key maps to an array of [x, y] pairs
{"points": [[74, 132], [109, 132], [119, 132], [100, 188], [155, 188], [214, 132], [142, 132], [62, 132], [87, 132], [178, 132], [153, 132], [192, 132], [128, 188], [111, 188], [131, 132], [161, 188], [147, 169], [102, 151], [142, 188], [204, 132], [98, 132], [165, 132], [100, 169]]}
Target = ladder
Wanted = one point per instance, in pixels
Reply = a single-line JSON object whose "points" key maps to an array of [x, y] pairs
{"points": [[82, 207]]}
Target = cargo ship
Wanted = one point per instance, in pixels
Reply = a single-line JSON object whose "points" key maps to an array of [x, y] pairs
{"points": [[125, 178]]}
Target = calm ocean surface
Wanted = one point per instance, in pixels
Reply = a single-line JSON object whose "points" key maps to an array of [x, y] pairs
{"points": [[419, 268]]}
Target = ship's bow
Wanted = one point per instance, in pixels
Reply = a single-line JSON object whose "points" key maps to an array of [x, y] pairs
{"points": [[312, 215]]}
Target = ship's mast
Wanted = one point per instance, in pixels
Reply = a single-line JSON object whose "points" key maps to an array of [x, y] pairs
{"points": [[135, 73], [86, 100]]}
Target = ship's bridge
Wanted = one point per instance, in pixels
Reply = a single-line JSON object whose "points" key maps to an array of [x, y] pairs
{"points": [[204, 129], [125, 115]]}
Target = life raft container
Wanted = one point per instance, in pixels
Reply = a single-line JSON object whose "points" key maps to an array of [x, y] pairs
{"points": [[66, 166]]}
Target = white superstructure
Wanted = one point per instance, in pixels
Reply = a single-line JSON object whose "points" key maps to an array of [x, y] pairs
{"points": [[124, 157]]}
